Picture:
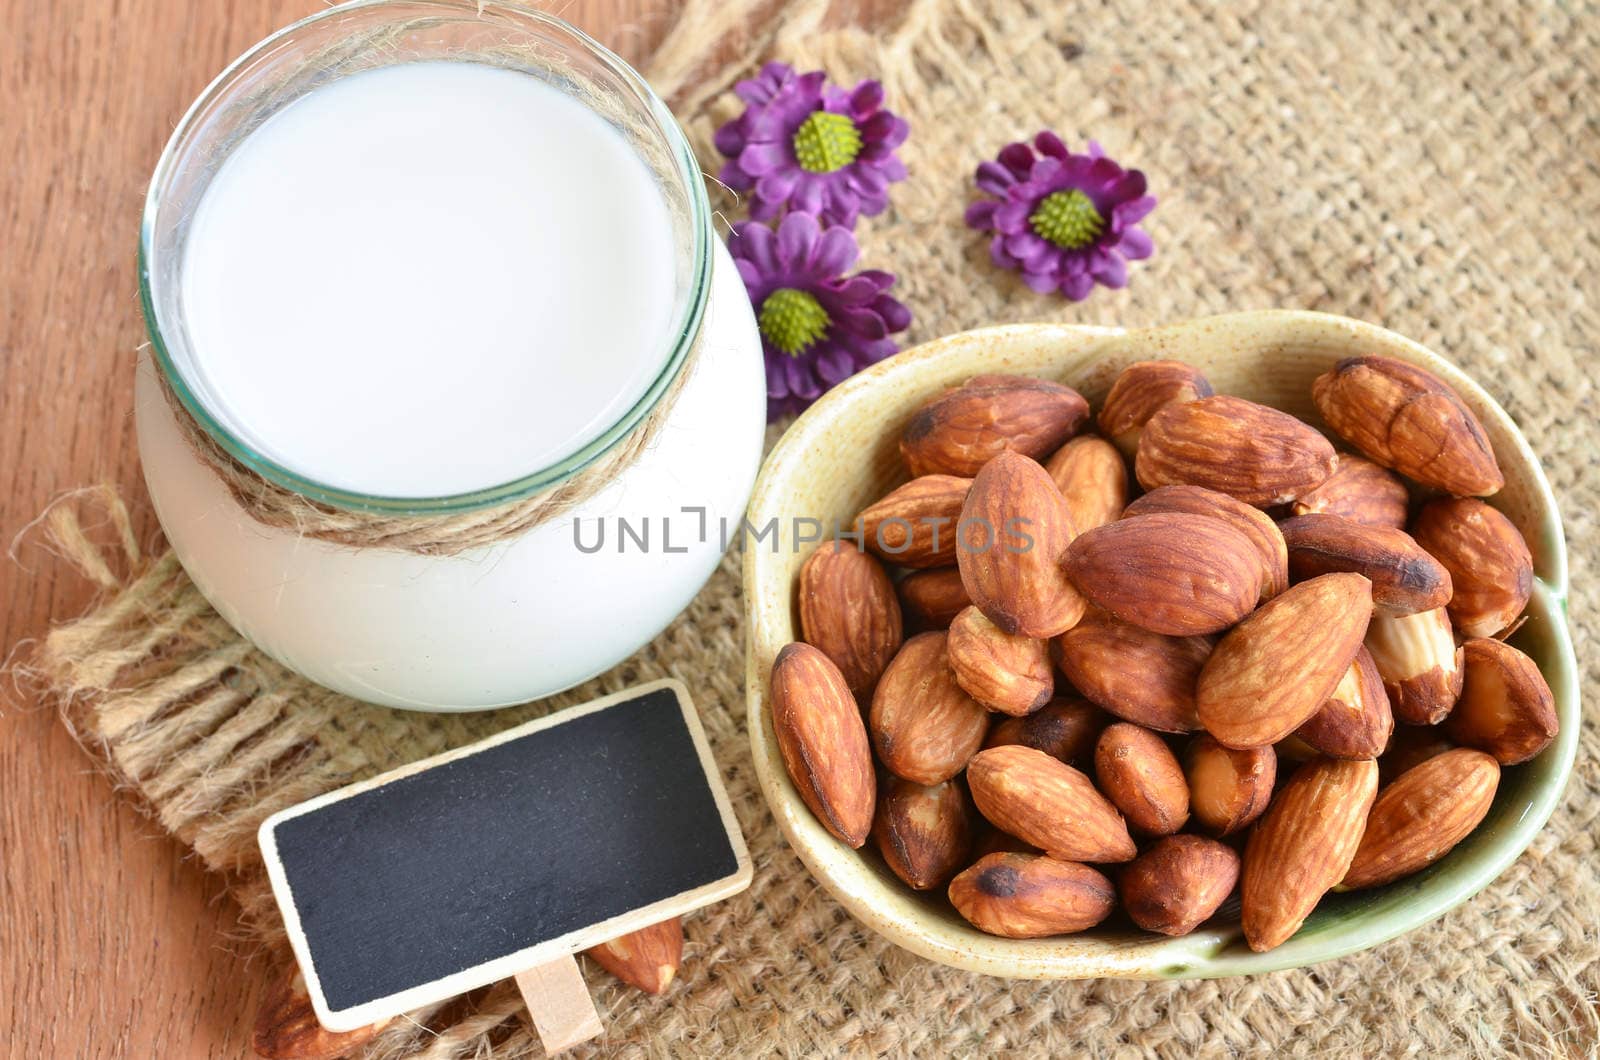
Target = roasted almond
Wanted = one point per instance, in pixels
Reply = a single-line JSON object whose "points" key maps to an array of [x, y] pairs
{"points": [[1405, 579], [1043, 801], [1092, 476], [1065, 728], [1228, 787], [1182, 575], [1250, 452], [931, 599], [923, 832], [1417, 657], [1140, 391], [1252, 522], [924, 726], [1276, 668], [823, 742], [1360, 491], [1409, 747], [1506, 707], [1410, 420], [1003, 671], [1488, 561], [848, 611], [1356, 721], [960, 430], [1015, 527], [1028, 896], [1178, 884], [1142, 778], [1421, 817], [1303, 846], [1143, 677], [287, 1028], [915, 525], [647, 958]]}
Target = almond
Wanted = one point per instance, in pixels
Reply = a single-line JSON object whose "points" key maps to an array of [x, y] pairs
{"points": [[1178, 883], [287, 1028], [1250, 452], [1025, 896], [1228, 788], [647, 958], [1405, 579], [823, 742], [957, 432], [1277, 667], [915, 525], [1360, 491], [1422, 816], [923, 725], [1410, 420], [1356, 721], [931, 599], [1015, 527], [1409, 747], [849, 612], [1091, 475], [1143, 677], [1043, 801], [1303, 846], [1417, 657], [1506, 707], [1143, 389], [1065, 728], [1488, 561], [1004, 672], [1177, 574], [1142, 778], [923, 832], [1253, 523]]}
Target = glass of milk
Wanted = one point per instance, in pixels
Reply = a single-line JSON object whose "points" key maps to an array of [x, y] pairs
{"points": [[420, 257]]}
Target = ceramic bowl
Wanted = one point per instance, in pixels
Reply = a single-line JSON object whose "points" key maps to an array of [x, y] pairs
{"points": [[841, 455]]}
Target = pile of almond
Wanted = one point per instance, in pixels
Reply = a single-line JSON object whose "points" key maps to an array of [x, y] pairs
{"points": [[1281, 669]]}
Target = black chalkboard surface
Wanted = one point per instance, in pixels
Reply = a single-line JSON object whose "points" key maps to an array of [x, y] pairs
{"points": [[472, 866]]}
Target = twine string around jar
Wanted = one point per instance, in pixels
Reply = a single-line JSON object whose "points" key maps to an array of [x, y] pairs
{"points": [[447, 534]]}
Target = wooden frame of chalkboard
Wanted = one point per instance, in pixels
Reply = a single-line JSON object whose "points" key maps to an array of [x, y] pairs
{"points": [[406, 800]]}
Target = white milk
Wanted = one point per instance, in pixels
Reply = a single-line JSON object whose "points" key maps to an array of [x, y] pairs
{"points": [[427, 279], [423, 280]]}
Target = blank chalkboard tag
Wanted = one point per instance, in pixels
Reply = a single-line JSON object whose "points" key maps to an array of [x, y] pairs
{"points": [[505, 858]]}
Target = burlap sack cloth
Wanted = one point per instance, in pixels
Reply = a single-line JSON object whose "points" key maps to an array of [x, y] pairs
{"points": [[1431, 167]]}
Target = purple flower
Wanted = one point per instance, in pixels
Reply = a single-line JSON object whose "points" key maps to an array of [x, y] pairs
{"points": [[1066, 221], [811, 146], [818, 326]]}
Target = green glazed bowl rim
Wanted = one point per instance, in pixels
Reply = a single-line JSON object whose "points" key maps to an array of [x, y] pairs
{"points": [[1344, 923]]}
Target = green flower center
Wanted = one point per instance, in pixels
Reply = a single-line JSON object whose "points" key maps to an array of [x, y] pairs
{"points": [[826, 141], [1068, 219], [792, 320]]}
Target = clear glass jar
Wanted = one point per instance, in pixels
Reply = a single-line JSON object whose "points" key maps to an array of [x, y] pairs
{"points": [[523, 617]]}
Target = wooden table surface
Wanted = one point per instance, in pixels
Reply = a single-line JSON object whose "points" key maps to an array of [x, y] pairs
{"points": [[112, 943]]}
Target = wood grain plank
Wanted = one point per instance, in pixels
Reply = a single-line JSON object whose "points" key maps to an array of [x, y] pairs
{"points": [[112, 943]]}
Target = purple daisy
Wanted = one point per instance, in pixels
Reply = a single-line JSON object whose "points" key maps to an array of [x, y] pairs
{"points": [[812, 146], [1066, 221], [818, 326]]}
